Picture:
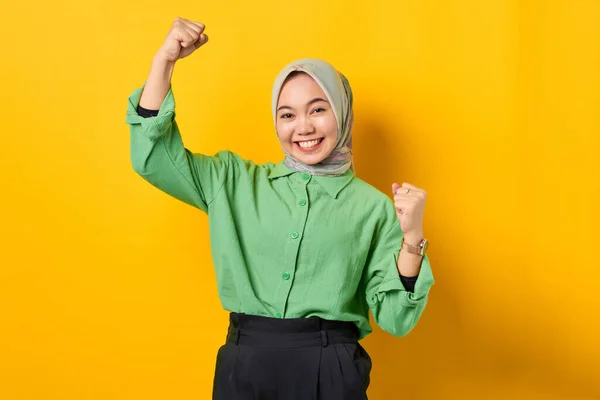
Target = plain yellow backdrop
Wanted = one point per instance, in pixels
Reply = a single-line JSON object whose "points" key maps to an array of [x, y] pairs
{"points": [[106, 284]]}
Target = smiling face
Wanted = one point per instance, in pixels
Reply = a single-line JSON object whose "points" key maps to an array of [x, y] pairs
{"points": [[306, 124]]}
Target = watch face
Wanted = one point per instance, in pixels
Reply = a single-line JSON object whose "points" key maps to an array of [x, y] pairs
{"points": [[424, 246]]}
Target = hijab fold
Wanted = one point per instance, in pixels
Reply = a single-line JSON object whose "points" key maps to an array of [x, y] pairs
{"points": [[338, 92]]}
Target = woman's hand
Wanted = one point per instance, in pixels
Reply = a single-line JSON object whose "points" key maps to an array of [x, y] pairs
{"points": [[409, 201], [183, 39]]}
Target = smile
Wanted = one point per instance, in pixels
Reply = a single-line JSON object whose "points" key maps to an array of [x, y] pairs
{"points": [[309, 145]]}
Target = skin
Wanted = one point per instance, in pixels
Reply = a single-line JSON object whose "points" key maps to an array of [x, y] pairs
{"points": [[305, 114]]}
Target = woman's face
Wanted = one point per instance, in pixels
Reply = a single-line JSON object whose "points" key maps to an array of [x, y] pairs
{"points": [[306, 124]]}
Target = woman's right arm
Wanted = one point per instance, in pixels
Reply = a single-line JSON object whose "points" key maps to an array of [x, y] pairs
{"points": [[157, 151]]}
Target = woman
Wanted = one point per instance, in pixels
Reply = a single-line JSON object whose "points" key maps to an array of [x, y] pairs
{"points": [[303, 249]]}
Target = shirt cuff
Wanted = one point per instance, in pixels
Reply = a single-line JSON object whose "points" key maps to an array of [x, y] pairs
{"points": [[423, 283], [153, 127]]}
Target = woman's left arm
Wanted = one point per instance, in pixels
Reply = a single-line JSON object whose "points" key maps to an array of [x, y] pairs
{"points": [[396, 309]]}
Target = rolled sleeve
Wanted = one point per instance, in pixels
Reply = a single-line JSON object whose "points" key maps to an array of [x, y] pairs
{"points": [[395, 309], [153, 127], [159, 156]]}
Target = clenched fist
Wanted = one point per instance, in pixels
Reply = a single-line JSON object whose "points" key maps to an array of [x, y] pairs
{"points": [[183, 39], [409, 201]]}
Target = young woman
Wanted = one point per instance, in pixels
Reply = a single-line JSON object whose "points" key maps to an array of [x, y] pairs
{"points": [[303, 249]]}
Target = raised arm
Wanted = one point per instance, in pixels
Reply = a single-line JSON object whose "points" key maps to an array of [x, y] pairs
{"points": [[157, 150]]}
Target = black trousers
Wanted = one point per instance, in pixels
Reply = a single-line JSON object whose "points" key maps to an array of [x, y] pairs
{"points": [[291, 359]]}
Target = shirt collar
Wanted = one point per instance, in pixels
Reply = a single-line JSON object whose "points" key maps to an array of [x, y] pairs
{"points": [[280, 170], [332, 184]]}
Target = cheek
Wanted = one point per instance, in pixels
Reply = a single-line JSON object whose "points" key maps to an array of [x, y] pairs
{"points": [[328, 127], [284, 132]]}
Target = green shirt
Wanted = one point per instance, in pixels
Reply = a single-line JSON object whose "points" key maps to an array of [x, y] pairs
{"points": [[285, 244]]}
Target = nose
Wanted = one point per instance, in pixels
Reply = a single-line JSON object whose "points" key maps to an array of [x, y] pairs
{"points": [[305, 126]]}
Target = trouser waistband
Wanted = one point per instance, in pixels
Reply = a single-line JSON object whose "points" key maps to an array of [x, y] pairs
{"points": [[253, 330]]}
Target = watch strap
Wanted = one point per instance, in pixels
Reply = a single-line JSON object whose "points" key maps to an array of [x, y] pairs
{"points": [[412, 249]]}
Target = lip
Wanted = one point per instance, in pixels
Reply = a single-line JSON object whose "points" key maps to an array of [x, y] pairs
{"points": [[312, 149]]}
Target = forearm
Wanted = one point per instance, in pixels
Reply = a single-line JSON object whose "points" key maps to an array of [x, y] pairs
{"points": [[158, 83], [410, 264]]}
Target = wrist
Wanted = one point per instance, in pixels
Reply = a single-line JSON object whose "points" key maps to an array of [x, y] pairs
{"points": [[416, 245], [161, 60], [413, 238]]}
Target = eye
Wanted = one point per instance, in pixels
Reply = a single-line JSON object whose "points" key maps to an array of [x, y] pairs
{"points": [[319, 109], [285, 116]]}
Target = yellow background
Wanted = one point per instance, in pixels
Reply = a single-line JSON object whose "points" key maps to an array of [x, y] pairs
{"points": [[106, 284]]}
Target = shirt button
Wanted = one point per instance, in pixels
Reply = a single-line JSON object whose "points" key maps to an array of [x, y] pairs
{"points": [[285, 276], [305, 176], [302, 202], [294, 235], [278, 315]]}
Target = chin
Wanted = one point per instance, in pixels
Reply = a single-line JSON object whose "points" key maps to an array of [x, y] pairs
{"points": [[309, 159]]}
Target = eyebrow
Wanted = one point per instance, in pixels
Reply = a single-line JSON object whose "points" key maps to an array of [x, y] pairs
{"points": [[315, 100]]}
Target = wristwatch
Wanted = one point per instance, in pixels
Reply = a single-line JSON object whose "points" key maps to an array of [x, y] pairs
{"points": [[420, 249]]}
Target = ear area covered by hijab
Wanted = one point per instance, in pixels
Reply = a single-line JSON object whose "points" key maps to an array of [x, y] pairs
{"points": [[338, 92]]}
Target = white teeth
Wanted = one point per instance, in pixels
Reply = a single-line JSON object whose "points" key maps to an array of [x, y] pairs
{"points": [[309, 143]]}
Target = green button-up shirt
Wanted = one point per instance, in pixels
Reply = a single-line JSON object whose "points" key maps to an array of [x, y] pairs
{"points": [[285, 244]]}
